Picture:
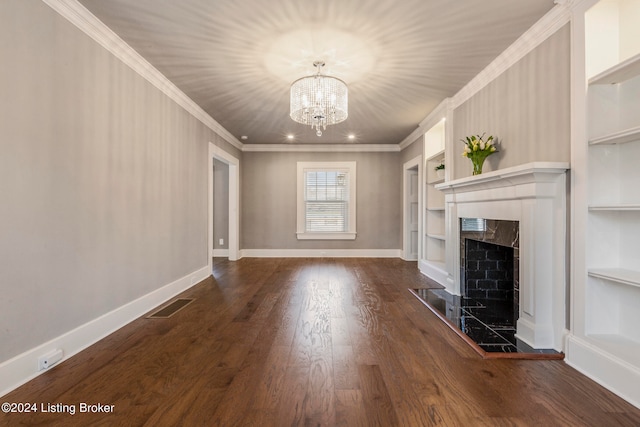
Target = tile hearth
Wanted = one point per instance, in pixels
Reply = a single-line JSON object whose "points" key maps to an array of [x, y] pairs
{"points": [[486, 325]]}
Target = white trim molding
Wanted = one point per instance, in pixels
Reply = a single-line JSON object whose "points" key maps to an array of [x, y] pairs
{"points": [[233, 251], [325, 148], [550, 23], [24, 367], [611, 372], [438, 113], [415, 163], [221, 253], [326, 236], [322, 253], [89, 24]]}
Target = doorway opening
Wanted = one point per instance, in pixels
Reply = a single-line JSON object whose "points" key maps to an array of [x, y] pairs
{"points": [[229, 166], [412, 209]]}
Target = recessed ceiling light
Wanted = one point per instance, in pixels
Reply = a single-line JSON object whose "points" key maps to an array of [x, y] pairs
{"points": [[244, 137], [351, 136], [290, 137]]}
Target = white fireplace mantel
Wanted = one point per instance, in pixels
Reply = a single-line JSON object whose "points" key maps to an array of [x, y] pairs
{"points": [[535, 195]]}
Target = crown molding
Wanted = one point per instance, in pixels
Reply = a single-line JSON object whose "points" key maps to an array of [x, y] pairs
{"points": [[413, 136], [437, 114], [442, 111], [322, 148], [551, 22], [89, 24]]}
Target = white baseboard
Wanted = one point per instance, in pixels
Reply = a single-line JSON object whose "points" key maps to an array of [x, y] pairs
{"points": [[24, 367], [221, 252], [434, 272], [535, 335], [620, 377], [320, 253]]}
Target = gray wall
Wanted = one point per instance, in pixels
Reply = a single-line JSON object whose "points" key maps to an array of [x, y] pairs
{"points": [[220, 204], [269, 201], [412, 150], [527, 108], [103, 181]]}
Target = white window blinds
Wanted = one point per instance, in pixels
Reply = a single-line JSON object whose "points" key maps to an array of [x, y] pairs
{"points": [[326, 198]]}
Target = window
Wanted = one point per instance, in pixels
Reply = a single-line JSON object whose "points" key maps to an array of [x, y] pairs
{"points": [[326, 200]]}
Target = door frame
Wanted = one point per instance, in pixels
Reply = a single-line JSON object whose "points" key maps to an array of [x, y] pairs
{"points": [[218, 153], [406, 237]]}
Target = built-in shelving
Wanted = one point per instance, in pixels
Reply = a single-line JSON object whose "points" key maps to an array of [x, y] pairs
{"points": [[435, 243], [605, 340]]}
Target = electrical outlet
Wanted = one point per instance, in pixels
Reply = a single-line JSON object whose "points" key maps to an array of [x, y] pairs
{"points": [[48, 360], [221, 242]]}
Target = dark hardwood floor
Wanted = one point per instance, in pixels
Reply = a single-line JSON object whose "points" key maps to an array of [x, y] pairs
{"points": [[331, 342]]}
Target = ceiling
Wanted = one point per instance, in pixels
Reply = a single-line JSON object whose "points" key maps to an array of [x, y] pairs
{"points": [[238, 58]]}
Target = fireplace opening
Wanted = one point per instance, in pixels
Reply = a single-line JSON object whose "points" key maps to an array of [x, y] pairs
{"points": [[489, 274], [489, 271]]}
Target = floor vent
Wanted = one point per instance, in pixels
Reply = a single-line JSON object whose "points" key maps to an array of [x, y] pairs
{"points": [[171, 309]]}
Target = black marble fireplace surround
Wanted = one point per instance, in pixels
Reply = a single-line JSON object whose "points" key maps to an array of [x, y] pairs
{"points": [[489, 263]]}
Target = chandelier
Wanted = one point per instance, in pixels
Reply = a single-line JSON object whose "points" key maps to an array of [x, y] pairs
{"points": [[319, 100]]}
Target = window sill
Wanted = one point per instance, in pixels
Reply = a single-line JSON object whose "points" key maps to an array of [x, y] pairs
{"points": [[326, 236]]}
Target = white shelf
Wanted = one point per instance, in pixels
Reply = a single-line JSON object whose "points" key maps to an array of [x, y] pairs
{"points": [[436, 181], [615, 207], [436, 236], [618, 275], [619, 73], [621, 137], [436, 209], [438, 155]]}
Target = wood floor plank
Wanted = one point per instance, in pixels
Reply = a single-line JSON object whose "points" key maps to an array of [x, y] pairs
{"points": [[378, 403], [328, 342], [350, 410]]}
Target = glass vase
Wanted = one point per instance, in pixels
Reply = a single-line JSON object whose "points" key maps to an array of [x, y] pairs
{"points": [[477, 159]]}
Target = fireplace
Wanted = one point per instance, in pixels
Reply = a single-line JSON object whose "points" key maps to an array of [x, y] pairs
{"points": [[533, 196], [489, 266]]}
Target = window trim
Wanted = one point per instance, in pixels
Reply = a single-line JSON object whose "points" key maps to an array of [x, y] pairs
{"points": [[350, 168]]}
